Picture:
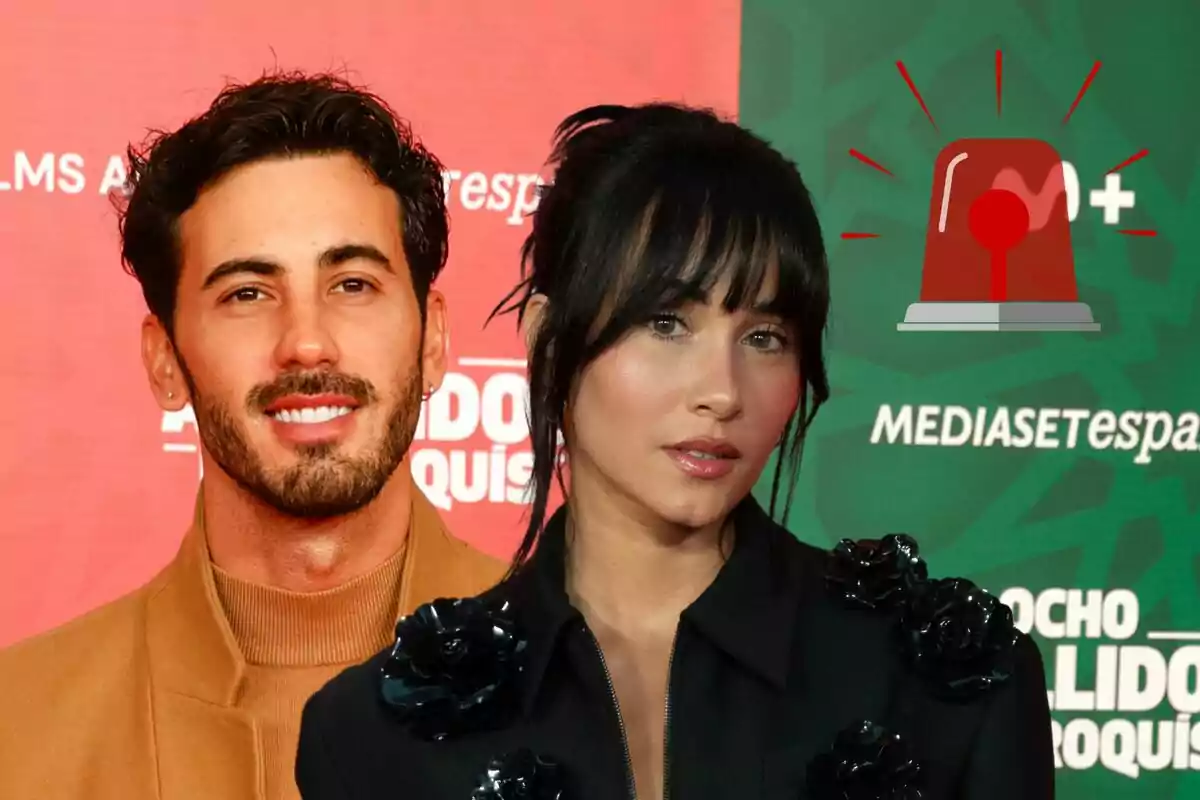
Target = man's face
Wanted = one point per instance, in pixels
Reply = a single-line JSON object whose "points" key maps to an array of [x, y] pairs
{"points": [[299, 335]]}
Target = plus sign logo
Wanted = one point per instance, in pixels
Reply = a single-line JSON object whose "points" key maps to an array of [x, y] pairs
{"points": [[1112, 199], [998, 252]]}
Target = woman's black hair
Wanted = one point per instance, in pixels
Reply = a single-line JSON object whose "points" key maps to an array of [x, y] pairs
{"points": [[649, 208]]}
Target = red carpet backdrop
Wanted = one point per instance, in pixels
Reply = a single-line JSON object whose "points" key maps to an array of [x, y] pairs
{"points": [[96, 483]]}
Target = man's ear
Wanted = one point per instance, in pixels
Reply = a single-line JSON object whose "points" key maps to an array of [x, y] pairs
{"points": [[162, 366], [531, 320], [435, 354]]}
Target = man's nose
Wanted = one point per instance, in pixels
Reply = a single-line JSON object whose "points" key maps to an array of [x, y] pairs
{"points": [[305, 340]]}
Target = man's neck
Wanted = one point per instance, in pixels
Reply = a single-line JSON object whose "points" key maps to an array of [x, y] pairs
{"points": [[630, 573], [256, 543]]}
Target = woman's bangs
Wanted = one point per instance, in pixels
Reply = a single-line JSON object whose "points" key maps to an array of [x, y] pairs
{"points": [[684, 251]]}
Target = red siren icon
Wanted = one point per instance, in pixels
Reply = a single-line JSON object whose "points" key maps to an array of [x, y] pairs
{"points": [[998, 253], [998, 242]]}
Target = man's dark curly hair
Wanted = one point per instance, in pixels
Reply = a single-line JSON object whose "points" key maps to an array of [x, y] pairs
{"points": [[276, 116]]}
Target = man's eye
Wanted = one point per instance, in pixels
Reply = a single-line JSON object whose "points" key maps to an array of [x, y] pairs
{"points": [[354, 286], [246, 294]]}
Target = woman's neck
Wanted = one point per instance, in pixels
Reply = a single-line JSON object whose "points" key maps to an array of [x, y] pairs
{"points": [[632, 573]]}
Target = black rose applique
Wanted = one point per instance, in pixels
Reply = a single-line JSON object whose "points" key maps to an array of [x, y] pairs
{"points": [[454, 668], [521, 775], [875, 573], [865, 762], [959, 638]]}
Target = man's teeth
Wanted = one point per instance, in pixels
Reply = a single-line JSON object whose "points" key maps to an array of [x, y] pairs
{"points": [[304, 416]]}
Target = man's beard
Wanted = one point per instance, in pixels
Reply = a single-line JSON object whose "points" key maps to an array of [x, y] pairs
{"points": [[324, 483]]}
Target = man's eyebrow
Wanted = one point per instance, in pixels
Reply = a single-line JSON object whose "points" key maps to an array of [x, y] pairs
{"points": [[235, 266], [342, 253]]}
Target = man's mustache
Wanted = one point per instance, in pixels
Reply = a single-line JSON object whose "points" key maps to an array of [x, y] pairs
{"points": [[311, 383]]}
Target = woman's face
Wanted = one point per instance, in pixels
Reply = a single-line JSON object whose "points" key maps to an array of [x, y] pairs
{"points": [[676, 421]]}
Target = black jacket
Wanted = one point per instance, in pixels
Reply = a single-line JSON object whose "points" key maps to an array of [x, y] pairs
{"points": [[789, 646]]}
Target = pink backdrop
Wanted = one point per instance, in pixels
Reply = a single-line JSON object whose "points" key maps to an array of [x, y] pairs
{"points": [[96, 484]]}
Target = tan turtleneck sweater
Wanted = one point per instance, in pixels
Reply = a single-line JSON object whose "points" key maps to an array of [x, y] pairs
{"points": [[293, 643]]}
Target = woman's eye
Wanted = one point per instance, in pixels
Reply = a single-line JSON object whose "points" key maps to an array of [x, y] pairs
{"points": [[666, 325], [768, 341]]}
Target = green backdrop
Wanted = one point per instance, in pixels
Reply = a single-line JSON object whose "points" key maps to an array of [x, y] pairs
{"points": [[1083, 535]]}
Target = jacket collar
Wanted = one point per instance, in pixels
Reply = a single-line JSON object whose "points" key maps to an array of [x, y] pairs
{"points": [[192, 649], [750, 611]]}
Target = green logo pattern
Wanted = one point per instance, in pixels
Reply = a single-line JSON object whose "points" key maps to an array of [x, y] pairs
{"points": [[1102, 534]]}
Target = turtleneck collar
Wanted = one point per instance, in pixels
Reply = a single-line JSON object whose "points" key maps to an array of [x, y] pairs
{"points": [[278, 628]]}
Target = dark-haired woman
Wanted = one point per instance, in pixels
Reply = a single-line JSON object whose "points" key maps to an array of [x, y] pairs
{"points": [[660, 636]]}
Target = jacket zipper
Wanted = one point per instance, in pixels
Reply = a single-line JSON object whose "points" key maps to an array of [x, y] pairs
{"points": [[631, 787], [667, 722]]}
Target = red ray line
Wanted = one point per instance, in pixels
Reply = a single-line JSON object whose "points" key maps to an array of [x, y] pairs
{"points": [[999, 73], [1138, 156], [1129, 232], [912, 87], [855, 235], [1087, 83], [870, 162]]}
